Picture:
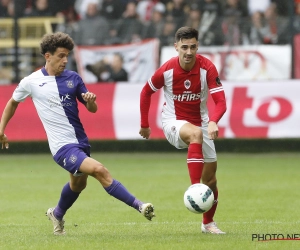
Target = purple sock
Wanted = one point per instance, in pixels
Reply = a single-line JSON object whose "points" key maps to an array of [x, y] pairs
{"points": [[67, 198], [117, 190]]}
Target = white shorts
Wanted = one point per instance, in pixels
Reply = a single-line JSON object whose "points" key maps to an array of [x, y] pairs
{"points": [[171, 130]]}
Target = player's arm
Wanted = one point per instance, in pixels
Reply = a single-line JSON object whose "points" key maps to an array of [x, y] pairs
{"points": [[7, 114], [90, 99], [145, 102], [220, 109], [218, 96]]}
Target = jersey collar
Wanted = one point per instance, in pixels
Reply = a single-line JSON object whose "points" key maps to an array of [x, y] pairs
{"points": [[195, 69], [44, 71]]}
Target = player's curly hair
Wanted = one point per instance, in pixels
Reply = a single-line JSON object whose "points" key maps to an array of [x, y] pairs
{"points": [[186, 33], [50, 42]]}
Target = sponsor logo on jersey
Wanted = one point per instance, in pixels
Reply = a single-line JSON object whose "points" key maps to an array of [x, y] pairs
{"points": [[73, 158], [187, 97], [60, 101], [70, 84], [41, 85], [187, 84], [218, 81]]}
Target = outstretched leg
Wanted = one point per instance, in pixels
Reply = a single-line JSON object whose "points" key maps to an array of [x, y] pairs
{"points": [[114, 187]]}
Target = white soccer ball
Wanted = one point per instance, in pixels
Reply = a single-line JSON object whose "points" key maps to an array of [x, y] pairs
{"points": [[198, 198]]}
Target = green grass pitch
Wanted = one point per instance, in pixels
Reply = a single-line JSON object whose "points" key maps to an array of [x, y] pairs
{"points": [[258, 194]]}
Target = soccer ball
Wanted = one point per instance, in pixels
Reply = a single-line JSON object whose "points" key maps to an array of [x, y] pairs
{"points": [[198, 198]]}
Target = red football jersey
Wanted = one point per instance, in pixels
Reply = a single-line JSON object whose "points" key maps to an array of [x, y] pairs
{"points": [[185, 92]]}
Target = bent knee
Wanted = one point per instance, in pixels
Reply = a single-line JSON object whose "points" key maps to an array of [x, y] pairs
{"points": [[99, 170], [196, 135]]}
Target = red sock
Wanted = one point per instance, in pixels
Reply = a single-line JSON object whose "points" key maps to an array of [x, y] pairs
{"points": [[195, 162], [208, 217]]}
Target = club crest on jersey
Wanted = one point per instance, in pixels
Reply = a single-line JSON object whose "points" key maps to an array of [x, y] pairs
{"points": [[218, 81], [70, 84], [187, 84], [73, 158]]}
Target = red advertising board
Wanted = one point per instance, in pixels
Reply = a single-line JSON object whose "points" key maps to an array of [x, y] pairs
{"points": [[268, 109]]}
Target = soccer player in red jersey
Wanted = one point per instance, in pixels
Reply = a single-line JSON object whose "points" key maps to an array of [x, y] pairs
{"points": [[187, 79]]}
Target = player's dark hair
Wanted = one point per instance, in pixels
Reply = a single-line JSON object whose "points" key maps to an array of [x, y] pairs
{"points": [[186, 33], [50, 42]]}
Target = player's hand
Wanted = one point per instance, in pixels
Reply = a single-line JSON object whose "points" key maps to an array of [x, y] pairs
{"points": [[213, 130], [89, 97], [145, 132], [4, 141]]}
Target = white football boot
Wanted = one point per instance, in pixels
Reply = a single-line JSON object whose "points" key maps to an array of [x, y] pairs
{"points": [[57, 224], [211, 228], [147, 210]]}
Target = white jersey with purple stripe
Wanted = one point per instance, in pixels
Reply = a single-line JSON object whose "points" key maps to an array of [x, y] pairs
{"points": [[55, 99]]}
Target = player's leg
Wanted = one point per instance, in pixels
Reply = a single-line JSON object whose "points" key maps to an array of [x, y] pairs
{"points": [[183, 134], [113, 187], [69, 195], [209, 178], [192, 136]]}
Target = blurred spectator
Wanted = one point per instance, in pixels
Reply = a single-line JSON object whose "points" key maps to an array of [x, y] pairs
{"points": [[194, 17], [258, 6], [210, 32], [40, 9], [144, 10], [81, 6], [282, 7], [109, 69], [128, 28], [70, 26], [235, 18], [4, 8], [168, 34], [93, 29], [178, 9], [112, 9], [297, 16], [155, 28], [11, 9], [276, 25], [259, 32], [60, 6]]}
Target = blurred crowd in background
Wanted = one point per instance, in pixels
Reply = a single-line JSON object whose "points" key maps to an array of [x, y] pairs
{"points": [[113, 22], [227, 22]]}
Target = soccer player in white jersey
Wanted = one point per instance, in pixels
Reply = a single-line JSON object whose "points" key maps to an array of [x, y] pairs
{"points": [[187, 80], [55, 91]]}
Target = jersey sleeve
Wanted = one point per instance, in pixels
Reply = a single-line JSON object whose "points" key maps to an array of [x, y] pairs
{"points": [[22, 91], [81, 88], [217, 93], [153, 84]]}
